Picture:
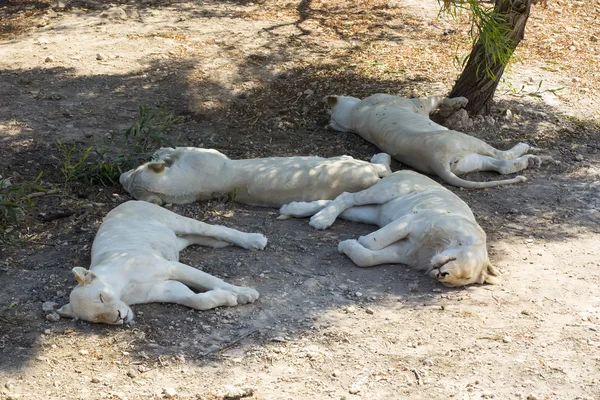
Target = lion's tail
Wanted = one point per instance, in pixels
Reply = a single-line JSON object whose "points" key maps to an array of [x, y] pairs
{"points": [[449, 177]]}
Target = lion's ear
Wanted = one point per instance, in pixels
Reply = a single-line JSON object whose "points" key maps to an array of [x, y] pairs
{"points": [[157, 166], [65, 311], [330, 100], [490, 275], [83, 276]]}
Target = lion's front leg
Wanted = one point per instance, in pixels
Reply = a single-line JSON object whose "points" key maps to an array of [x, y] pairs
{"points": [[177, 292], [200, 280]]}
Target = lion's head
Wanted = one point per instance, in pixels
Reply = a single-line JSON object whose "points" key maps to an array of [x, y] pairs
{"points": [[94, 301], [463, 265], [136, 181]]}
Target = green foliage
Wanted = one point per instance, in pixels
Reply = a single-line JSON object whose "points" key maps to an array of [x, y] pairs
{"points": [[14, 201], [489, 28], [103, 162], [513, 91]]}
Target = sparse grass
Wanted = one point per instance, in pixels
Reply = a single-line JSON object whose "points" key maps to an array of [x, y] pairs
{"points": [[14, 201], [103, 162]]}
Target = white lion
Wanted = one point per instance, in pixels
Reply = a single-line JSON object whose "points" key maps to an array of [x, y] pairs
{"points": [[187, 174], [423, 225], [135, 260], [402, 128]]}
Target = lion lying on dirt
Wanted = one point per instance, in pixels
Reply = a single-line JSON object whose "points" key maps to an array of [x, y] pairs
{"points": [[135, 260], [402, 128], [187, 174], [423, 225]]}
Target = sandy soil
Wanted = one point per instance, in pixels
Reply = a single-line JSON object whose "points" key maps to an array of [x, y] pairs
{"points": [[249, 78]]}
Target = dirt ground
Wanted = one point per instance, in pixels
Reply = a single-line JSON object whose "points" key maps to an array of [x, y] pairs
{"points": [[248, 77]]}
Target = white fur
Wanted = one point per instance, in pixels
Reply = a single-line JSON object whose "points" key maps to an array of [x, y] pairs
{"points": [[187, 174], [135, 260], [422, 224], [402, 128]]}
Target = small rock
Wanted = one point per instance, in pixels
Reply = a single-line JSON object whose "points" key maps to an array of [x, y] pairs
{"points": [[231, 392], [489, 120], [49, 306], [84, 352], [507, 339], [369, 311], [309, 92], [336, 372], [358, 294], [343, 287], [13, 396], [594, 38], [100, 57], [532, 397], [354, 389], [41, 358], [53, 317], [95, 380], [579, 157], [460, 119], [279, 339], [351, 309], [429, 363], [169, 392], [487, 395], [508, 115], [49, 59]]}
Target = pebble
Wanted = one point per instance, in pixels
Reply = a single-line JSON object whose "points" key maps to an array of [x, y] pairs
{"points": [[594, 38], [100, 57], [351, 309], [489, 120], [508, 115], [95, 380], [354, 389], [369, 311], [279, 339], [358, 294], [507, 339], [579, 157], [428, 363], [49, 59], [169, 392], [532, 397], [53, 317], [487, 395], [49, 306], [41, 358], [336, 372], [233, 392], [84, 352], [309, 92]]}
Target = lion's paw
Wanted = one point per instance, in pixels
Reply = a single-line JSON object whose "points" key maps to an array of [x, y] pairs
{"points": [[534, 162], [321, 220], [345, 245], [255, 241], [292, 209], [245, 295], [219, 297], [459, 102]]}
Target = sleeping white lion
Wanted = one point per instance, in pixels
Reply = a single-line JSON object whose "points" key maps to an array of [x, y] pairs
{"points": [[135, 260], [423, 225], [187, 174], [402, 128]]}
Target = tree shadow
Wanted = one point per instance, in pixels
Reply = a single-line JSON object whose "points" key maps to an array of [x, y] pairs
{"points": [[302, 278]]}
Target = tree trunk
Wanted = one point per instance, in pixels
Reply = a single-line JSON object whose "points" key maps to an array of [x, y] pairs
{"points": [[474, 83]]}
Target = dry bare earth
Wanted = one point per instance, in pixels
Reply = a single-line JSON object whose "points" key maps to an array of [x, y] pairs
{"points": [[249, 79]]}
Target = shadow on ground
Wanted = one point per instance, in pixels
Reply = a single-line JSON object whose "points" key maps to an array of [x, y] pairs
{"points": [[302, 278]]}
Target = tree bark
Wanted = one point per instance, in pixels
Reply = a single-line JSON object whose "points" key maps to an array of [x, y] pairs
{"points": [[474, 83]]}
